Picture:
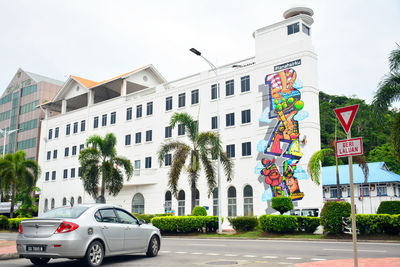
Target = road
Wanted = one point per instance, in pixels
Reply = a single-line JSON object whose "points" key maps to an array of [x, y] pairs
{"points": [[226, 252]]}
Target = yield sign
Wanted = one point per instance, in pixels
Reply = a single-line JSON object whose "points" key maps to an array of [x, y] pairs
{"points": [[346, 116]]}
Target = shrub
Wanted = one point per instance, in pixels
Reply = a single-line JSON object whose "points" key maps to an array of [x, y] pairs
{"points": [[146, 217], [186, 224], [335, 216], [370, 224], [308, 224], [389, 207], [282, 204], [13, 224], [243, 223], [3, 222], [199, 211], [278, 223]]}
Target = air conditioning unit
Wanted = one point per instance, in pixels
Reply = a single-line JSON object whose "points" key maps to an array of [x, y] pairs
{"points": [[326, 189], [360, 198], [372, 187], [344, 188]]}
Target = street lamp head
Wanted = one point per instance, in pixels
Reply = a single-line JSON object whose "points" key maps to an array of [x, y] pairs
{"points": [[237, 66], [195, 51]]}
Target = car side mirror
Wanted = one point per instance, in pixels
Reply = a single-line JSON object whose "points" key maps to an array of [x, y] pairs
{"points": [[141, 221]]}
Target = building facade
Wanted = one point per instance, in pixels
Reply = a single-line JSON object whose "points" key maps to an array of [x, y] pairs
{"points": [[269, 126], [18, 110]]}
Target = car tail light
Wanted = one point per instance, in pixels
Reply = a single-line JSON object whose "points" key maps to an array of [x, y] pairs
{"points": [[66, 227], [20, 230]]}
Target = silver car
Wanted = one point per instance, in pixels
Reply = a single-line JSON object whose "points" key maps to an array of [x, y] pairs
{"points": [[87, 232]]}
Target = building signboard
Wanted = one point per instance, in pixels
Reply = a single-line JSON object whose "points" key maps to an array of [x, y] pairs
{"points": [[287, 65]]}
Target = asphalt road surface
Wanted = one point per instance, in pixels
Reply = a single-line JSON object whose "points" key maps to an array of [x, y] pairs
{"points": [[226, 252]]}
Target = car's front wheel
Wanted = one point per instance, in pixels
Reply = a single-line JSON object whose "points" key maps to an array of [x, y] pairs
{"points": [[94, 254], [40, 261], [154, 246]]}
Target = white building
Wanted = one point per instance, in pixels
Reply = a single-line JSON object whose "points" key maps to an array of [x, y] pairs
{"points": [[255, 124]]}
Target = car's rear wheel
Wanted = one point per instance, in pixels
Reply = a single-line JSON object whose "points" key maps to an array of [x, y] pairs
{"points": [[40, 261], [94, 254], [154, 246]]}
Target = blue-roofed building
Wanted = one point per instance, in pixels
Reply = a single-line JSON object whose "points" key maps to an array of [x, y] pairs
{"points": [[381, 184]]}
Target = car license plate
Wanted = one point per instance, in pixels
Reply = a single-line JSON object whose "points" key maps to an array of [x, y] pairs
{"points": [[35, 248]]}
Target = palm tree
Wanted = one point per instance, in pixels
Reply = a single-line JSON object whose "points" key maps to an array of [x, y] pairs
{"points": [[99, 159], [204, 147], [389, 92], [20, 172]]}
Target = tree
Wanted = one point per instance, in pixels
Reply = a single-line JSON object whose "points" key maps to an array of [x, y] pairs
{"points": [[20, 172], [389, 92], [282, 204], [99, 159], [385, 153], [204, 147]]}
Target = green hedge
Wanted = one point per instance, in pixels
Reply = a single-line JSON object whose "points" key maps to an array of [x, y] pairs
{"points": [[13, 224], [370, 224], [243, 223], [335, 216], [389, 207], [3, 222], [282, 204], [186, 224], [199, 211], [278, 223], [308, 224], [147, 217]]}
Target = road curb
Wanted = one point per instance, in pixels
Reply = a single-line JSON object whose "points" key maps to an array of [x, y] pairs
{"points": [[8, 256]]}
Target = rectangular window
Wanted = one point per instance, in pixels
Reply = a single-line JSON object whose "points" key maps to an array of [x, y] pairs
{"points": [[55, 154], [50, 134], [214, 122], [181, 129], [230, 119], [230, 90], [195, 96], [96, 122], [73, 173], [138, 138], [73, 153], [168, 160], [68, 129], [306, 29], [245, 83], [333, 191], [83, 126], [181, 100], [364, 191], [168, 132], [293, 28], [230, 150], [129, 114], [127, 139], [168, 103], [381, 190], [81, 146], [246, 149], [53, 175], [148, 162], [47, 177], [65, 174], [66, 152], [246, 116], [149, 136], [138, 111], [48, 155], [75, 127], [214, 92], [149, 108], [56, 132], [32, 124], [80, 172], [104, 120], [113, 117]]}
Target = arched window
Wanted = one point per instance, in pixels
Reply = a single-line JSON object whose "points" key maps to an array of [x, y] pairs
{"points": [[64, 201], [46, 205], [248, 200], [79, 200], [138, 203], [197, 200], [72, 201], [231, 201], [53, 203], [168, 201], [181, 203], [215, 202]]}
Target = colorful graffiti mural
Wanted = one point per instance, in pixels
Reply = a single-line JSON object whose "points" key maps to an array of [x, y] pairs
{"points": [[284, 142]]}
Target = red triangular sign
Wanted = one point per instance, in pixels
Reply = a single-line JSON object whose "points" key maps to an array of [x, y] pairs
{"points": [[346, 116]]}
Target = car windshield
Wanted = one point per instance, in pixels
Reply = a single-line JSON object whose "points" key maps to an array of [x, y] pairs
{"points": [[65, 212]]}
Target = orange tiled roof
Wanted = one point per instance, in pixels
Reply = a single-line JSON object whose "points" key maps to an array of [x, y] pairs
{"points": [[119, 76], [85, 82]]}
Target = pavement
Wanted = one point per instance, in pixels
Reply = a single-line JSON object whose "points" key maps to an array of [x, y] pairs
{"points": [[8, 251]]}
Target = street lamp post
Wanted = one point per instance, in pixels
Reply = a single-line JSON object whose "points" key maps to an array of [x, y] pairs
{"points": [[198, 53], [6, 132]]}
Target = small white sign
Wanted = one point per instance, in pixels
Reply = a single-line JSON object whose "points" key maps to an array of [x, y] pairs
{"points": [[349, 147]]}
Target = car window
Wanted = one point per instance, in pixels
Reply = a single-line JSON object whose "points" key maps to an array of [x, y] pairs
{"points": [[65, 212], [126, 217], [107, 215]]}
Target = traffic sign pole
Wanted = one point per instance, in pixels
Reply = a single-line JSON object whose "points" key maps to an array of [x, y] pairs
{"points": [[353, 211]]}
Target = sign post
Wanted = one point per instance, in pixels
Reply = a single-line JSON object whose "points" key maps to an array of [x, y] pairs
{"points": [[346, 117]]}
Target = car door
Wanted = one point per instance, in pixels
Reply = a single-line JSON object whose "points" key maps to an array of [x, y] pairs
{"points": [[135, 236], [112, 230]]}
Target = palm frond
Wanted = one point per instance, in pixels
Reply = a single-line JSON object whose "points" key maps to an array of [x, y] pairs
{"points": [[188, 123], [115, 183], [388, 92], [394, 59], [395, 136], [178, 162], [110, 141], [209, 169], [314, 165], [210, 140], [90, 179], [166, 148], [227, 164]]}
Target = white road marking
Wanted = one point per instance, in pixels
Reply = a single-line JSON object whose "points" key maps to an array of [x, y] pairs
{"points": [[230, 255], [196, 253], [212, 254], [317, 259], [165, 251], [293, 258], [270, 257], [208, 245], [284, 263], [181, 252], [249, 256], [360, 250]]}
